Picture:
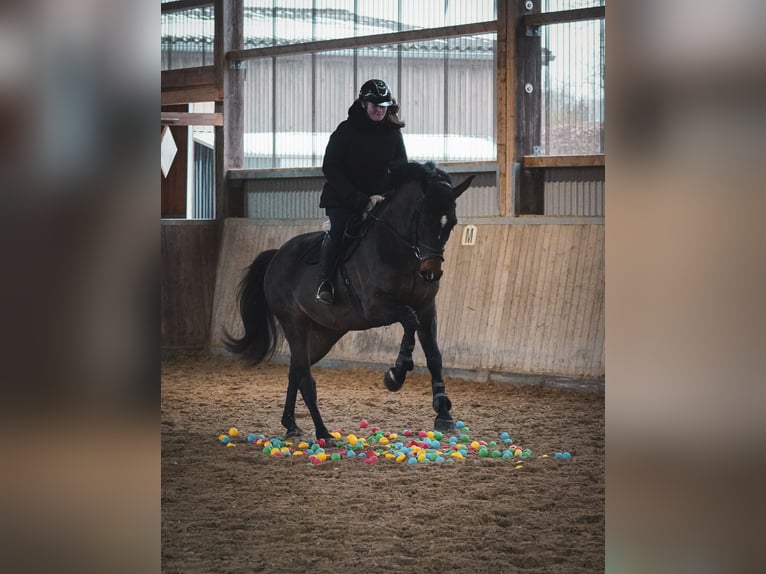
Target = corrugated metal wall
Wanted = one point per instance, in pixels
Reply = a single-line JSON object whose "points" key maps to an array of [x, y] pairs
{"points": [[203, 190], [567, 191], [298, 197], [574, 191]]}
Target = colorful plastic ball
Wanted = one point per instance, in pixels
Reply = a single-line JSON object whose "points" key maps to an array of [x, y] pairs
{"points": [[504, 436], [363, 424], [251, 438], [231, 444], [225, 440], [459, 424], [412, 460], [566, 455], [495, 454], [233, 431]]}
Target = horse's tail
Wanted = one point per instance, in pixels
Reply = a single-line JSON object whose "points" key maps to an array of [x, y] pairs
{"points": [[260, 338]]}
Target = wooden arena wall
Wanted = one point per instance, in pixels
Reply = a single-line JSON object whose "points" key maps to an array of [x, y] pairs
{"points": [[189, 252], [528, 297]]}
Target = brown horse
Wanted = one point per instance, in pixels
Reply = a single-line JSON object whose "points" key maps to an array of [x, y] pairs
{"points": [[390, 276]]}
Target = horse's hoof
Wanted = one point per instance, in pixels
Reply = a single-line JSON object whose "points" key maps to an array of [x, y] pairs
{"points": [[390, 381], [293, 432], [444, 425]]}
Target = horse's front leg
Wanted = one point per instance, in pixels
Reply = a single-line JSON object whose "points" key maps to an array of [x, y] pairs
{"points": [[396, 375], [441, 403]]}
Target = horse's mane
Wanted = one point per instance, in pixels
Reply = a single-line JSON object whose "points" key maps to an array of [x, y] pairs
{"points": [[435, 183]]}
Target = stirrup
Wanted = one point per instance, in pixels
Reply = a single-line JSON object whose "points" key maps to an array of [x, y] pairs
{"points": [[325, 293]]}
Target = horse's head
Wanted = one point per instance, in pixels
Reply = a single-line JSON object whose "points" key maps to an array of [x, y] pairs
{"points": [[435, 220]]}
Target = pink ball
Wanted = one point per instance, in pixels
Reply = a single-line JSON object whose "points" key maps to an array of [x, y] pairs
{"points": [[363, 424]]}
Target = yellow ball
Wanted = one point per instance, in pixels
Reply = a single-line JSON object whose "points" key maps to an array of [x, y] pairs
{"points": [[233, 432]]}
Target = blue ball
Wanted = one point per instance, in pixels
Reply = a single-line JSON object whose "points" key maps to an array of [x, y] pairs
{"points": [[412, 460], [504, 436], [459, 424], [250, 438], [566, 455]]}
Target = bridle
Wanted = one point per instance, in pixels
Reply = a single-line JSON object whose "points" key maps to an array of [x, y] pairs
{"points": [[421, 250]]}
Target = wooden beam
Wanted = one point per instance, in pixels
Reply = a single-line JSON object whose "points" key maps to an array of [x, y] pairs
{"points": [[189, 95], [529, 89], [372, 40], [540, 161], [191, 119], [180, 5], [187, 77], [230, 137], [545, 18], [506, 103]]}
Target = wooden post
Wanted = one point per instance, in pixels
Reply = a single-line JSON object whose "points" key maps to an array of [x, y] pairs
{"points": [[230, 77], [529, 124], [506, 103]]}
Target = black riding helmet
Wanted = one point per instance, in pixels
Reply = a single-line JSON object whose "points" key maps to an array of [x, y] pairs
{"points": [[377, 92]]}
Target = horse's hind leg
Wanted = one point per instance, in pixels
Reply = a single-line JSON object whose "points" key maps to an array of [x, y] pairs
{"points": [[309, 393], [441, 403], [396, 375]]}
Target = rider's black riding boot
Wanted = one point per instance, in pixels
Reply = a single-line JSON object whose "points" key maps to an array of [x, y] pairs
{"points": [[327, 256]]}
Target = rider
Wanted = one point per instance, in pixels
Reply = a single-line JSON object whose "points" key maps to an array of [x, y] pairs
{"points": [[362, 151]]}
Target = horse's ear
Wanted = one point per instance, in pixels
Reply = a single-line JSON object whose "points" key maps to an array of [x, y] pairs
{"points": [[459, 189]]}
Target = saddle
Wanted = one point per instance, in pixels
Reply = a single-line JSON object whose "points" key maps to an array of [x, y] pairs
{"points": [[356, 229]]}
